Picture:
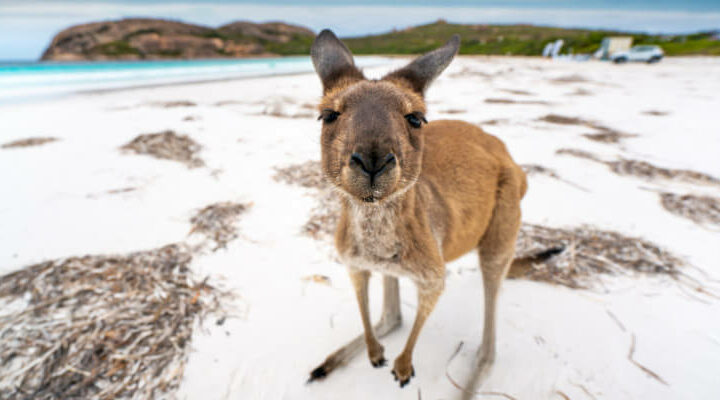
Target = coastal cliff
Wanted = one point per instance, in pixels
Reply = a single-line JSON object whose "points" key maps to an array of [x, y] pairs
{"points": [[144, 38]]}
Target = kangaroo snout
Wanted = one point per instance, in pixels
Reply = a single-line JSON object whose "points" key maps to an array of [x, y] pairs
{"points": [[372, 165]]}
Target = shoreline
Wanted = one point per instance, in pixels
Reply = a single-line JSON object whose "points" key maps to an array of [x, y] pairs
{"points": [[38, 84], [91, 92]]}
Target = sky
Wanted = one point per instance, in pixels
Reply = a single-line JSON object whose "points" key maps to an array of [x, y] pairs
{"points": [[27, 26]]}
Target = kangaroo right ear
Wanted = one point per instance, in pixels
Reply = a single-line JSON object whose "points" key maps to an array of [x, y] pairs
{"points": [[333, 61], [424, 69]]}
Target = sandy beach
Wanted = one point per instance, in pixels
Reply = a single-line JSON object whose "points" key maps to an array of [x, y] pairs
{"points": [[629, 336]]}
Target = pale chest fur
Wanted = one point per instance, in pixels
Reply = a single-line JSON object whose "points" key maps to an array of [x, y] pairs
{"points": [[376, 243]]}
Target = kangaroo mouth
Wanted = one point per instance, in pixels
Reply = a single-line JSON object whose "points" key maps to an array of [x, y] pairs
{"points": [[366, 191]]}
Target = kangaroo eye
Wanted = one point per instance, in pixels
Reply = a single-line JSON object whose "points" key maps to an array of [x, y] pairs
{"points": [[415, 119], [328, 116]]}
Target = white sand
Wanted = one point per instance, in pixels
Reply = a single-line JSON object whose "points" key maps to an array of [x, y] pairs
{"points": [[54, 204]]}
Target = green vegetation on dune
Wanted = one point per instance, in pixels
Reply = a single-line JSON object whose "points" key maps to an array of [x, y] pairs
{"points": [[298, 45], [116, 49], [476, 39], [526, 40], [213, 34], [170, 53], [704, 47]]}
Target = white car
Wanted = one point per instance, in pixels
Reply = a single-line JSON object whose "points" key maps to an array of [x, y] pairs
{"points": [[645, 53]]}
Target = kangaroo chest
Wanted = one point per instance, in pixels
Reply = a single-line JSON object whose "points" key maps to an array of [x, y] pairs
{"points": [[376, 244]]}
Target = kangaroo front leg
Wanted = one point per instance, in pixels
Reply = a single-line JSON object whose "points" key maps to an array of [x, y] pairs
{"points": [[374, 348], [390, 321], [428, 295]]}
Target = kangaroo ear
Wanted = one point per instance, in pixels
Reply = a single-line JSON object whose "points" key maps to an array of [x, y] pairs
{"points": [[424, 69], [333, 61]]}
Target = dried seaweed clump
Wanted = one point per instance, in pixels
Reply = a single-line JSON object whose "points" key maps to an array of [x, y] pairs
{"points": [[579, 154], [494, 121], [648, 171], [217, 222], [324, 216], [499, 100], [580, 92], [589, 252], [572, 78], [645, 170], [453, 111], [604, 135], [173, 104], [536, 169], [656, 113], [307, 175], [101, 327], [699, 209], [167, 145], [518, 92], [34, 141], [533, 169], [562, 120], [608, 136]]}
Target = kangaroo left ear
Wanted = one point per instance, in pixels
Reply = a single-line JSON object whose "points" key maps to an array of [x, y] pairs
{"points": [[420, 73], [333, 61]]}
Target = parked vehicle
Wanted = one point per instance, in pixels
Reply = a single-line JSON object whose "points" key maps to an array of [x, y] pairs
{"points": [[613, 44], [645, 53]]}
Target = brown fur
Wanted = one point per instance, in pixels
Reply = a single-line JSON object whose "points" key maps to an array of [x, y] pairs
{"points": [[450, 188]]}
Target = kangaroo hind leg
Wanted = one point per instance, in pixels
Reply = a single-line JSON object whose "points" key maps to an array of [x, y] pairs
{"points": [[390, 320], [496, 251]]}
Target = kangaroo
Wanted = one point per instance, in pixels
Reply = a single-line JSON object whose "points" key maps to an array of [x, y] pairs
{"points": [[415, 195]]}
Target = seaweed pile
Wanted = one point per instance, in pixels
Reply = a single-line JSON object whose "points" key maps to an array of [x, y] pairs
{"points": [[33, 141], [604, 134], [645, 170], [588, 253], [699, 209], [167, 145], [102, 326], [324, 216], [217, 222]]}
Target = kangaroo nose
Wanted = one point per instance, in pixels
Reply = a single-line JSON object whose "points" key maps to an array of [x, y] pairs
{"points": [[373, 166]]}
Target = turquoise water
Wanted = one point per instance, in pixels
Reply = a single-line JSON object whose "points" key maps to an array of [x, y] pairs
{"points": [[37, 80]]}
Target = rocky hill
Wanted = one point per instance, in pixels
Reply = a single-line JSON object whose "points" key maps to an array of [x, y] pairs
{"points": [[134, 39]]}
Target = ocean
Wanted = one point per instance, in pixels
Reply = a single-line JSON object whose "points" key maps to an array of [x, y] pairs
{"points": [[29, 81]]}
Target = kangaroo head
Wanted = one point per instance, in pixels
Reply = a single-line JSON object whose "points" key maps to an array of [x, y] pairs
{"points": [[372, 141]]}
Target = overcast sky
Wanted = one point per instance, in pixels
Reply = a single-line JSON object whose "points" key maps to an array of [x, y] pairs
{"points": [[26, 26]]}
